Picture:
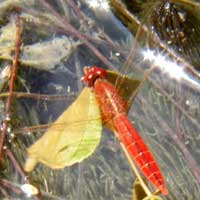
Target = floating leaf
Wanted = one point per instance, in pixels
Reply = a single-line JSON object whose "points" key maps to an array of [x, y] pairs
{"points": [[7, 40], [153, 197], [139, 193], [74, 140], [55, 51], [4, 75]]}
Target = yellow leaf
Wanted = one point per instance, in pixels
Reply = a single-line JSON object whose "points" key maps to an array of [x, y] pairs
{"points": [[67, 144]]}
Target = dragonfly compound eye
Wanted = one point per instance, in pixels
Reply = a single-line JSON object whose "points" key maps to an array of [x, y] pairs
{"points": [[92, 73]]}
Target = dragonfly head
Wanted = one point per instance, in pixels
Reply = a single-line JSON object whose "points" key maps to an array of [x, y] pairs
{"points": [[91, 74]]}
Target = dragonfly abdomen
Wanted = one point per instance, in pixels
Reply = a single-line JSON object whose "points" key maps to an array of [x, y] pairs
{"points": [[139, 151]]}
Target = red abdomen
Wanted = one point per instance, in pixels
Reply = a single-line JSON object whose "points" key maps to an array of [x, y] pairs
{"points": [[139, 152], [113, 110]]}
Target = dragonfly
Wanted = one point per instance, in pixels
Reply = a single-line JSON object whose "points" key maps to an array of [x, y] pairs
{"points": [[113, 110], [99, 102]]}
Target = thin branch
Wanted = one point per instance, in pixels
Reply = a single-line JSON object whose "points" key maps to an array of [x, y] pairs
{"points": [[65, 25], [11, 85], [7, 184], [16, 165], [45, 97], [19, 169]]}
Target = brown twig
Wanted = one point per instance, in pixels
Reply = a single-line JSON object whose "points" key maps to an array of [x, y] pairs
{"points": [[16, 165], [7, 184], [20, 170], [11, 86], [45, 97], [65, 25], [82, 16], [8, 152]]}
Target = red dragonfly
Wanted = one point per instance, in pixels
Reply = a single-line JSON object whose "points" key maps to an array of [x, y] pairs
{"points": [[113, 111], [99, 102]]}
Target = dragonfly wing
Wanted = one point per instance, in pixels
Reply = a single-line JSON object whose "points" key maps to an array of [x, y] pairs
{"points": [[126, 86], [74, 136]]}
